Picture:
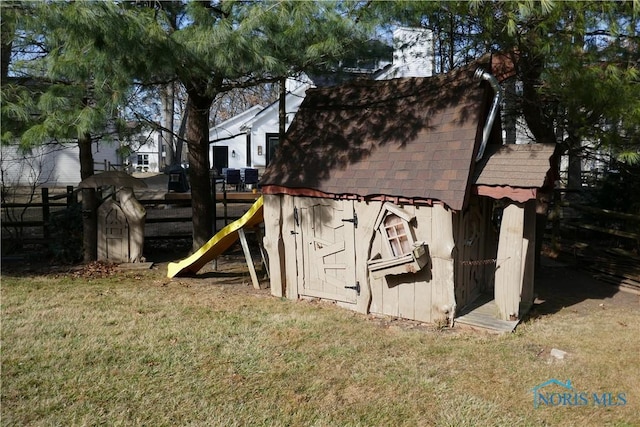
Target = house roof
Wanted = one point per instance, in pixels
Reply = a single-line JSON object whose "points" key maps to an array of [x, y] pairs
{"points": [[232, 125], [409, 138], [514, 165]]}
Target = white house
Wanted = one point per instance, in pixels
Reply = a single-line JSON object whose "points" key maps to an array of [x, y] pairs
{"points": [[52, 165], [413, 54], [249, 139], [230, 143], [148, 154]]}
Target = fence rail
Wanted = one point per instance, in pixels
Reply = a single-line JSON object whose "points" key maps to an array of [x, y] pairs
{"points": [[603, 242], [28, 221]]}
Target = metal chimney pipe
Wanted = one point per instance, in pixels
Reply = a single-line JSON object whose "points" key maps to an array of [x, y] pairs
{"points": [[481, 74]]}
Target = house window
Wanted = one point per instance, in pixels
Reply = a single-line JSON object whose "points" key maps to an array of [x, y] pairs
{"points": [[403, 254], [393, 225], [143, 160], [397, 235]]}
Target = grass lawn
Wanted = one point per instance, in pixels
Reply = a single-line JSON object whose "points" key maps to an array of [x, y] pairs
{"points": [[134, 349]]}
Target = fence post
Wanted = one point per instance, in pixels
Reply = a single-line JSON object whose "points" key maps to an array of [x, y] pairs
{"points": [[45, 212], [224, 201], [70, 196], [215, 205], [555, 228]]}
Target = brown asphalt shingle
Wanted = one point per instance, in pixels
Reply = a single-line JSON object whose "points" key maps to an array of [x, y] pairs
{"points": [[410, 138], [515, 165]]}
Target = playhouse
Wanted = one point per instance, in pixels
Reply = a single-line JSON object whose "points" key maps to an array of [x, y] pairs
{"points": [[397, 197]]}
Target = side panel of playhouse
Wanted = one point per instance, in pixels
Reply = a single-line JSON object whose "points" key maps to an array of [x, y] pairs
{"points": [[428, 294], [290, 231]]}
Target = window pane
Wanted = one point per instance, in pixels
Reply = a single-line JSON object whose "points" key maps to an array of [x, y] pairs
{"points": [[395, 247], [405, 245]]}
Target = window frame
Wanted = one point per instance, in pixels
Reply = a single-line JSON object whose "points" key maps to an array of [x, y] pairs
{"points": [[390, 210]]}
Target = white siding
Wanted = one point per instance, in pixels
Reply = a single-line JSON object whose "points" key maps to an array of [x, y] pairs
{"points": [[51, 165]]}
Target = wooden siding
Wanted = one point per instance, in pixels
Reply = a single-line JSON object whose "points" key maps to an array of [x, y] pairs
{"points": [[427, 295], [290, 248], [476, 243], [516, 255], [274, 245]]}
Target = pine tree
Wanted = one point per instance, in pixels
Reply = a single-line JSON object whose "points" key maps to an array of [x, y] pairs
{"points": [[59, 89], [211, 48], [577, 63]]}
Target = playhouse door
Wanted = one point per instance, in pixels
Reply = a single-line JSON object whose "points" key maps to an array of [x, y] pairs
{"points": [[328, 250]]}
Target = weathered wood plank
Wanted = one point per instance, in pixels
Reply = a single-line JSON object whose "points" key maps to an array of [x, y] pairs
{"points": [[290, 240], [443, 298], [247, 255], [509, 261], [274, 244], [365, 235], [424, 285]]}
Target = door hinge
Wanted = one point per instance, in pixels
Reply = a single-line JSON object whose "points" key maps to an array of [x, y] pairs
{"points": [[295, 216], [354, 220], [355, 288]]}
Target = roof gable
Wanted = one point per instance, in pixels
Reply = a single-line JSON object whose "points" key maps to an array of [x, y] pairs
{"points": [[410, 138], [232, 125]]}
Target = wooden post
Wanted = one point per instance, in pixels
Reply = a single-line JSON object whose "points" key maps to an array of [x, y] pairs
{"points": [[249, 258], [509, 262], [274, 244], [215, 205], [443, 301], [45, 212], [71, 199], [224, 202]]}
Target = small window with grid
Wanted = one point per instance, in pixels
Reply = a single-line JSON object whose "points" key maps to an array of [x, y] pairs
{"points": [[397, 235], [393, 225], [400, 253]]}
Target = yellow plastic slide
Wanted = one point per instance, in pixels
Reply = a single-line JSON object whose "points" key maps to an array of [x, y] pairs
{"points": [[218, 243]]}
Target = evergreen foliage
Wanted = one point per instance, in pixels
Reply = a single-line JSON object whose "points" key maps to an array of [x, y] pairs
{"points": [[578, 63]]}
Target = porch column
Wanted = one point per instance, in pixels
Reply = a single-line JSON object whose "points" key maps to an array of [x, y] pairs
{"points": [[509, 269], [443, 299]]}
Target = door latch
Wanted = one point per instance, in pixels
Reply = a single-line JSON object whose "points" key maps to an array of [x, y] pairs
{"points": [[354, 220], [355, 288]]}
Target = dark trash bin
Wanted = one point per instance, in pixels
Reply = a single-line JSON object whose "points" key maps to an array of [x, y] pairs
{"points": [[178, 180]]}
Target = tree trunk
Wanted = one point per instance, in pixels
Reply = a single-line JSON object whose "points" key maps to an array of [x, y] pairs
{"points": [[89, 202], [6, 54], [541, 125], [198, 142], [177, 159], [282, 109], [168, 111], [510, 111]]}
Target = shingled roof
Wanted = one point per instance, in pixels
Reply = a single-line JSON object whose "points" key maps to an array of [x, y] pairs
{"points": [[411, 138], [524, 166]]}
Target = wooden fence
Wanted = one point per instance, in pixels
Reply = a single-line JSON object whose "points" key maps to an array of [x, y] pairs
{"points": [[604, 242], [28, 221]]}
